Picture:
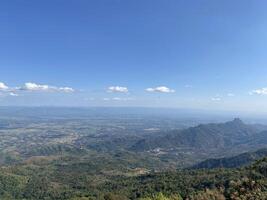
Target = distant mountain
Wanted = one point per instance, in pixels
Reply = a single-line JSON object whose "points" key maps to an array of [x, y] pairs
{"points": [[232, 162], [208, 136], [258, 139]]}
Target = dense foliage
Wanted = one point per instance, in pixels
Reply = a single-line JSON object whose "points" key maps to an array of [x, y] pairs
{"points": [[100, 157], [40, 180], [232, 162]]}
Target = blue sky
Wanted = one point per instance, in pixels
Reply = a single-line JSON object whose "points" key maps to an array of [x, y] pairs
{"points": [[177, 53]]}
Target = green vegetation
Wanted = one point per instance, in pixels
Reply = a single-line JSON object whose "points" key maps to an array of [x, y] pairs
{"points": [[48, 181], [232, 162], [122, 157]]}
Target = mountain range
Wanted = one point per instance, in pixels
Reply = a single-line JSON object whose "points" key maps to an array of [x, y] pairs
{"points": [[233, 136]]}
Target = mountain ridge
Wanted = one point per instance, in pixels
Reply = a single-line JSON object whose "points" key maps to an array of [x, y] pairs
{"points": [[212, 136], [240, 160]]}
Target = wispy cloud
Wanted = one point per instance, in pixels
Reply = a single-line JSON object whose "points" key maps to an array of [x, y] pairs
{"points": [[6, 91], [261, 91], [13, 94], [44, 88], [188, 86], [122, 99], [118, 89], [216, 99], [230, 95], [3, 86], [160, 89], [118, 99]]}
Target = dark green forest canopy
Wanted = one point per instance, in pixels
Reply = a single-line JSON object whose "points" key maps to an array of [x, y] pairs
{"points": [[38, 181]]}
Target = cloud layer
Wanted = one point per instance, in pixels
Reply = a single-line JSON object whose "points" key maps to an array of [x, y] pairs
{"points": [[160, 89]]}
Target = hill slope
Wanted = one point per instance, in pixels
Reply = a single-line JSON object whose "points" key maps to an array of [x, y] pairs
{"points": [[232, 162], [208, 136]]}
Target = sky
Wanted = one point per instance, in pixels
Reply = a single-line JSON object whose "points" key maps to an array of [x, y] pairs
{"points": [[202, 54]]}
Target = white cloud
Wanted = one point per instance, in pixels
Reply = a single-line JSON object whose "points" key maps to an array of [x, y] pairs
{"points": [[35, 87], [118, 89], [122, 99], [45, 88], [118, 99], [3, 86], [13, 94], [161, 89], [216, 99], [230, 95], [262, 91], [66, 89]]}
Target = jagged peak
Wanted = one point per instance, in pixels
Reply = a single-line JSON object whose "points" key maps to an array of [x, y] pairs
{"points": [[235, 121], [238, 120]]}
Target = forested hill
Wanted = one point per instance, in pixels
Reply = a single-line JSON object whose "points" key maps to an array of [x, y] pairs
{"points": [[29, 182], [206, 136], [232, 162]]}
